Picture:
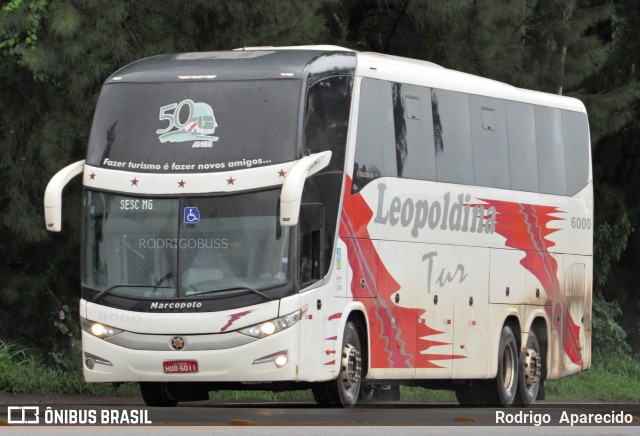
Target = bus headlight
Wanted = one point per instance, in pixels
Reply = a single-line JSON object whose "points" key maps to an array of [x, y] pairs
{"points": [[99, 330], [272, 326]]}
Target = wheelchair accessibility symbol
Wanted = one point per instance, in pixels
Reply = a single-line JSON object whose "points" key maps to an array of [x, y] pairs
{"points": [[191, 215]]}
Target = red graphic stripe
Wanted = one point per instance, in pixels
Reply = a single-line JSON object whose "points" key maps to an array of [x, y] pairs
{"points": [[233, 318], [526, 227], [392, 345]]}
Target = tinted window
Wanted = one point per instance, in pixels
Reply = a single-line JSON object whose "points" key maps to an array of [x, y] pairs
{"points": [[576, 150], [523, 158], [551, 166], [375, 141], [452, 137], [174, 248], [327, 118], [490, 149], [415, 148], [210, 126], [311, 224], [326, 123]]}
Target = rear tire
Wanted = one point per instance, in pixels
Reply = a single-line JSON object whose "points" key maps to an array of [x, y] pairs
{"points": [[530, 379], [159, 394], [502, 391], [345, 390]]}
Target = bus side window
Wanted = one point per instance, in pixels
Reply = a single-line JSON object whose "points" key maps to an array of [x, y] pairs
{"points": [[375, 140], [414, 132], [576, 150], [489, 137], [327, 118], [310, 244], [550, 147], [523, 157], [452, 137]]}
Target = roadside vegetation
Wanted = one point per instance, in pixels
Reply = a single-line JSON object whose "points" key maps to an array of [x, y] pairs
{"points": [[22, 373], [614, 375], [612, 378]]}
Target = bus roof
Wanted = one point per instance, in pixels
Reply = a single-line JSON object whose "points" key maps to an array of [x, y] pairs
{"points": [[423, 73], [416, 72], [266, 63], [294, 61]]}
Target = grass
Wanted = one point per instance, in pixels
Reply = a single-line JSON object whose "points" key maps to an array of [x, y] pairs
{"points": [[409, 394], [612, 378], [20, 373], [616, 378]]}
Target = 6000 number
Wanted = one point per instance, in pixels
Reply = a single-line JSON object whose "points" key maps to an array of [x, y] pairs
{"points": [[581, 223]]}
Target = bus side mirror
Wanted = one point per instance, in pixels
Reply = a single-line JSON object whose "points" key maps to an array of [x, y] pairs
{"points": [[53, 195], [291, 194]]}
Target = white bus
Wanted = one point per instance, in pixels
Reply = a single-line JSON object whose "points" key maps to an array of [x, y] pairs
{"points": [[315, 217]]}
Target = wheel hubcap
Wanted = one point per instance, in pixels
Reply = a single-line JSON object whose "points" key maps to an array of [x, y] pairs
{"points": [[532, 368], [351, 366]]}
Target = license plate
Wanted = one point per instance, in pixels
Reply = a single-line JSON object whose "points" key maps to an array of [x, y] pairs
{"points": [[180, 366]]}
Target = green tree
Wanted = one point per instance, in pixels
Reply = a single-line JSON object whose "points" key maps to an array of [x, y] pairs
{"points": [[55, 55], [612, 96]]}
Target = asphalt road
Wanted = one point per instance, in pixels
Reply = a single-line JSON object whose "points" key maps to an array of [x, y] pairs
{"points": [[130, 415]]}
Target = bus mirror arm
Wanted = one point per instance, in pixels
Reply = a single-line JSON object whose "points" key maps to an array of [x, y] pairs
{"points": [[291, 194], [53, 195]]}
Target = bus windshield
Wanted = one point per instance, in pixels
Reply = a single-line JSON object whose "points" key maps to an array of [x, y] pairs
{"points": [[195, 126], [188, 247]]}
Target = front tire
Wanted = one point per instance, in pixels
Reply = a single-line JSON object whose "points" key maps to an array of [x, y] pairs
{"points": [[344, 391], [159, 394]]}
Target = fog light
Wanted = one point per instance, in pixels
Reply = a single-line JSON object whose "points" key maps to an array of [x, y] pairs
{"points": [[281, 360], [92, 359]]}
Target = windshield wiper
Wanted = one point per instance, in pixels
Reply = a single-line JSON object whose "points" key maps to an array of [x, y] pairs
{"points": [[167, 276], [239, 288], [104, 292], [111, 288]]}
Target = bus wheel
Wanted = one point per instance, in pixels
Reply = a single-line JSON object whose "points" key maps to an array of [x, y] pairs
{"points": [[343, 391], [350, 376], [158, 394], [530, 371], [503, 390]]}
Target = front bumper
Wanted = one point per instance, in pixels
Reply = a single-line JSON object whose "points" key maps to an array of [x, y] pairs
{"points": [[244, 363]]}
